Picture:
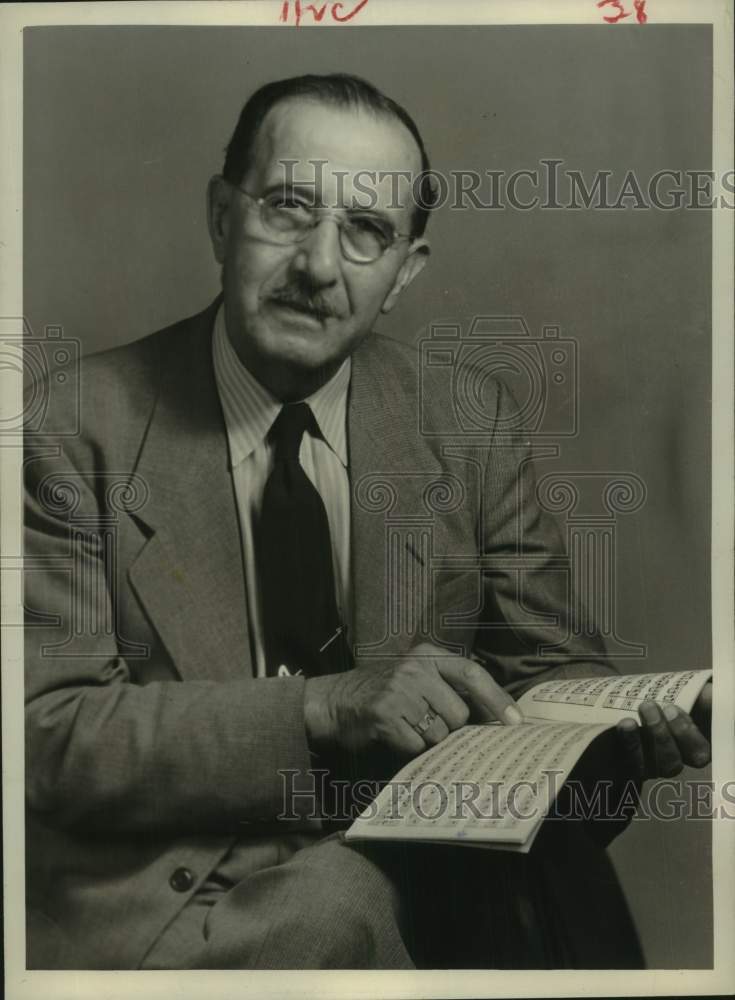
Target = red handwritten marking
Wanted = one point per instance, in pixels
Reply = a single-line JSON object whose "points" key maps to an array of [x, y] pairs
{"points": [[346, 17], [318, 13], [618, 6], [638, 5]]}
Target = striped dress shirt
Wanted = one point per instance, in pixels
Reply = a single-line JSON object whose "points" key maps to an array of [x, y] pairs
{"points": [[249, 411]]}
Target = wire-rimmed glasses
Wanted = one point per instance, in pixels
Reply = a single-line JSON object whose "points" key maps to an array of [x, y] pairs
{"points": [[287, 218]]}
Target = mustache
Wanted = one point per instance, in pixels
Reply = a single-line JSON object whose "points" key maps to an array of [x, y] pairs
{"points": [[305, 301]]}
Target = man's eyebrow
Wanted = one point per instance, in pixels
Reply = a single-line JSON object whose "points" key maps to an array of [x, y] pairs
{"points": [[305, 189]]}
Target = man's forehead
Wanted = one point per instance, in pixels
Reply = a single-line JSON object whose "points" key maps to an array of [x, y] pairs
{"points": [[349, 140]]}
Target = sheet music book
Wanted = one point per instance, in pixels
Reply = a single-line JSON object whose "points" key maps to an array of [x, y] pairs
{"points": [[492, 785]]}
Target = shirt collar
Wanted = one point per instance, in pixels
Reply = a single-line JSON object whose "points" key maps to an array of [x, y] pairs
{"points": [[249, 408]]}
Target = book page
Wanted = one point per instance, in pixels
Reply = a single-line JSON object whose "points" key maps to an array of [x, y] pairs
{"points": [[610, 699], [482, 784]]}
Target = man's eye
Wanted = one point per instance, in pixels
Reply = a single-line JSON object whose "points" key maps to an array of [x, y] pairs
{"points": [[370, 226], [288, 204], [286, 213]]}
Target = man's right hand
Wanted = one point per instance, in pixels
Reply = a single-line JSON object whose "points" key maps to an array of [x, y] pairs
{"points": [[389, 704]]}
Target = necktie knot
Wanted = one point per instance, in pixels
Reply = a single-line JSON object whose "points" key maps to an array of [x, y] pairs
{"points": [[288, 429]]}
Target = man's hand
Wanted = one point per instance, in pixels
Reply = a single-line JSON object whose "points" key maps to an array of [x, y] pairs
{"points": [[668, 738], [391, 704]]}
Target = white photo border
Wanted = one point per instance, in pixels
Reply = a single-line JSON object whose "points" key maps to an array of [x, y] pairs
{"points": [[22, 984]]}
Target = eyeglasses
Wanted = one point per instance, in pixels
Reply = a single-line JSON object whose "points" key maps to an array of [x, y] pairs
{"points": [[287, 219]]}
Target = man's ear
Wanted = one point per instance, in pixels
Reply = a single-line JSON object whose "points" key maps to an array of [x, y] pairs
{"points": [[412, 266], [218, 218]]}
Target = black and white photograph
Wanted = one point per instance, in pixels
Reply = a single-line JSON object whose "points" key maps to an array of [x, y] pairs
{"points": [[367, 499]]}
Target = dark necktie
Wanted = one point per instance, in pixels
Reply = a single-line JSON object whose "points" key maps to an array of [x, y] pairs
{"points": [[301, 627]]}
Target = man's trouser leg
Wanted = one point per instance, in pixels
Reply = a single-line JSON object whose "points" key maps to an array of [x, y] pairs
{"points": [[400, 906], [328, 906]]}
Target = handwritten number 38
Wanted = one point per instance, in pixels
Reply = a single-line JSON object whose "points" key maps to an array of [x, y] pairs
{"points": [[638, 5]]}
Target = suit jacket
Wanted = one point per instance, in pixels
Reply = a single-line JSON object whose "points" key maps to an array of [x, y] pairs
{"points": [[150, 745]]}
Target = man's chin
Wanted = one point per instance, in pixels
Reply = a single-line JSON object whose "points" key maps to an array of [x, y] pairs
{"points": [[310, 345], [296, 363], [286, 354]]}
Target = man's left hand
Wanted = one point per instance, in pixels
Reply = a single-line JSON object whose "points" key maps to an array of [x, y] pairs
{"points": [[667, 739]]}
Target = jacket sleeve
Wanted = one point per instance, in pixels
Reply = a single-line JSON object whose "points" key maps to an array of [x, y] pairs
{"points": [[109, 746], [526, 594], [531, 608]]}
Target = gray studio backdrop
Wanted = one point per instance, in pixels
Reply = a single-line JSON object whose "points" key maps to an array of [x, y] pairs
{"points": [[124, 126]]}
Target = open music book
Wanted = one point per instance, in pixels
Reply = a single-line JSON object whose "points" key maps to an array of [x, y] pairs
{"points": [[492, 785]]}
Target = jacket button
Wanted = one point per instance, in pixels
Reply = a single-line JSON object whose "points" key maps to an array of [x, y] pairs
{"points": [[182, 880]]}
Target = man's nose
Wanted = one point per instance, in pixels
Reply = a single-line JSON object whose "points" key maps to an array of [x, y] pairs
{"points": [[320, 255]]}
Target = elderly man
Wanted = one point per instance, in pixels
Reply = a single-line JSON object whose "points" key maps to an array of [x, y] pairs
{"points": [[209, 599]]}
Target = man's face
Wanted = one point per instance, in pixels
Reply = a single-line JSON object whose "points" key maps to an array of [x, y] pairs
{"points": [[294, 311]]}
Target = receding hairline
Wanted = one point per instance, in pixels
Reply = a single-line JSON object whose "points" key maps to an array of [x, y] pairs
{"points": [[345, 92], [353, 107]]}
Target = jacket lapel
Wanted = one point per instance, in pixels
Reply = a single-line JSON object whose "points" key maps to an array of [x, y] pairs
{"points": [[393, 528], [413, 517], [189, 576]]}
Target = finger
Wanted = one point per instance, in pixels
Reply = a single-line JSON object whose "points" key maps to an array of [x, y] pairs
{"points": [[437, 692], [629, 735], [445, 701], [434, 733], [389, 716], [474, 684], [702, 711], [659, 746], [404, 739], [693, 747]]}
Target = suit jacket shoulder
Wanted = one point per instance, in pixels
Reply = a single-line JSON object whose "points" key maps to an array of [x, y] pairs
{"points": [[101, 414], [432, 392]]}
